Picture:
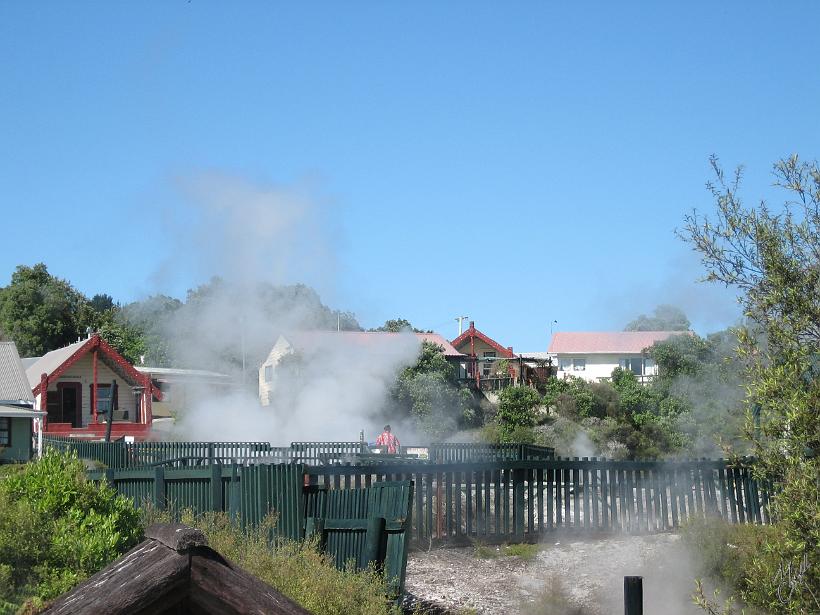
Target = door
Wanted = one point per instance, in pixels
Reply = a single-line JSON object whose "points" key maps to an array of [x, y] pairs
{"points": [[70, 392]]}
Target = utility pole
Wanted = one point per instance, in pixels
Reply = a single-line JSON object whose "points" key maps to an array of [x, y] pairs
{"points": [[461, 320]]}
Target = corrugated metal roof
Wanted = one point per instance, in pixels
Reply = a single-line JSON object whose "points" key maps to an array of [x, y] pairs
{"points": [[14, 386], [51, 361], [177, 371], [609, 342]]}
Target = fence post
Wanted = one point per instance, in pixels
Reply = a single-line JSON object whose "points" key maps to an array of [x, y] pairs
{"points": [[234, 494], [372, 543], [216, 487], [210, 453], [109, 477], [159, 488], [518, 504], [315, 525], [633, 595]]}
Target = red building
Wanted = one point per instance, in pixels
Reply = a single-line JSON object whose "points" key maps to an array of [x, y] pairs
{"points": [[78, 384]]}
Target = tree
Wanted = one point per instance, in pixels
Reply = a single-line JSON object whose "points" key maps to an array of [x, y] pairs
{"points": [[395, 326], [39, 311], [516, 409], [772, 258], [429, 393], [664, 318], [102, 303]]}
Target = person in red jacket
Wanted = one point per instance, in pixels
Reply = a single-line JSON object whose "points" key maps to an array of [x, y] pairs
{"points": [[389, 440]]}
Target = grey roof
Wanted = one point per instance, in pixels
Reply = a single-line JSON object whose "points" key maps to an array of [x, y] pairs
{"points": [[28, 361], [19, 412], [14, 386], [175, 372], [50, 361]]}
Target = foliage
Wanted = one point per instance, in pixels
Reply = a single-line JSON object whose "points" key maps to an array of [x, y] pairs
{"points": [[39, 311], [429, 393], [664, 318], [56, 528], [524, 551], [516, 408], [397, 325], [773, 259], [553, 600], [297, 569]]}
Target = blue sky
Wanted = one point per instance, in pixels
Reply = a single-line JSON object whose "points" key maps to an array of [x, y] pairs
{"points": [[515, 162]]}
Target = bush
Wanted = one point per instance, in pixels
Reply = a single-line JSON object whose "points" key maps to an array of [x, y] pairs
{"points": [[297, 569], [516, 408], [57, 528]]}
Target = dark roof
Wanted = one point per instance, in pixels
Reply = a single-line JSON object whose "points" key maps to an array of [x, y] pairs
{"points": [[173, 571]]}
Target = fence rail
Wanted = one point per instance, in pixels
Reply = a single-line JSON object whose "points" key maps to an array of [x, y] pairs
{"points": [[522, 500], [122, 455]]}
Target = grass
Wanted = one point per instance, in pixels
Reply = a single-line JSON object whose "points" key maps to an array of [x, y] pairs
{"points": [[523, 550], [552, 600], [297, 569]]}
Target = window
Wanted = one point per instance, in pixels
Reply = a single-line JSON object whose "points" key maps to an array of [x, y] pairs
{"points": [[487, 367], [565, 364], [5, 431], [104, 401], [579, 365], [268, 373], [633, 364]]}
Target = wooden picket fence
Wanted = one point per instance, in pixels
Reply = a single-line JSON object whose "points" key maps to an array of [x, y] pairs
{"points": [[121, 455], [523, 500], [361, 526]]}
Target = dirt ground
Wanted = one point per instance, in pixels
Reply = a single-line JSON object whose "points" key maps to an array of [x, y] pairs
{"points": [[587, 573]]}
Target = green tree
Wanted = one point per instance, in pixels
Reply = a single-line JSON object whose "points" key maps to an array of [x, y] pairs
{"points": [[39, 311], [395, 326], [516, 409], [430, 394], [772, 258], [57, 528], [664, 318]]}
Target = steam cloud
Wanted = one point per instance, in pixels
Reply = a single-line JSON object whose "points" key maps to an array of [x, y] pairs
{"points": [[254, 236]]}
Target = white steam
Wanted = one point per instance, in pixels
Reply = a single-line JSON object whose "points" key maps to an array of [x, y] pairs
{"points": [[255, 237]]}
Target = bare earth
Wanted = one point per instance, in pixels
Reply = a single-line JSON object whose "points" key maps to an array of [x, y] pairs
{"points": [[590, 573]]}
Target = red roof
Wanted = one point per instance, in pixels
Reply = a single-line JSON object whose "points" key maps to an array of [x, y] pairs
{"points": [[610, 342], [57, 362], [472, 331], [311, 341]]}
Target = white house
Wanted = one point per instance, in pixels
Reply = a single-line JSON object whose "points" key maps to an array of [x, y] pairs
{"points": [[593, 355], [355, 350]]}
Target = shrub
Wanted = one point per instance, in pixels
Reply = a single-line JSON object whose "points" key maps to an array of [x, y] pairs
{"points": [[297, 569], [516, 408], [57, 528]]}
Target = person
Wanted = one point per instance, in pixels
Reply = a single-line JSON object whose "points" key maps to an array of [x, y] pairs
{"points": [[389, 440]]}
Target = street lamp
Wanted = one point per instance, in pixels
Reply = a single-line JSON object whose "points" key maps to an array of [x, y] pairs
{"points": [[552, 324]]}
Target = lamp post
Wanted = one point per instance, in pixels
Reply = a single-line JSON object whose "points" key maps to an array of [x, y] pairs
{"points": [[552, 324]]}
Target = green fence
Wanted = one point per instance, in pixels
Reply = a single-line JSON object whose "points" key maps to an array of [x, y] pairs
{"points": [[249, 493], [364, 525], [475, 452], [322, 452], [522, 500], [172, 454]]}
